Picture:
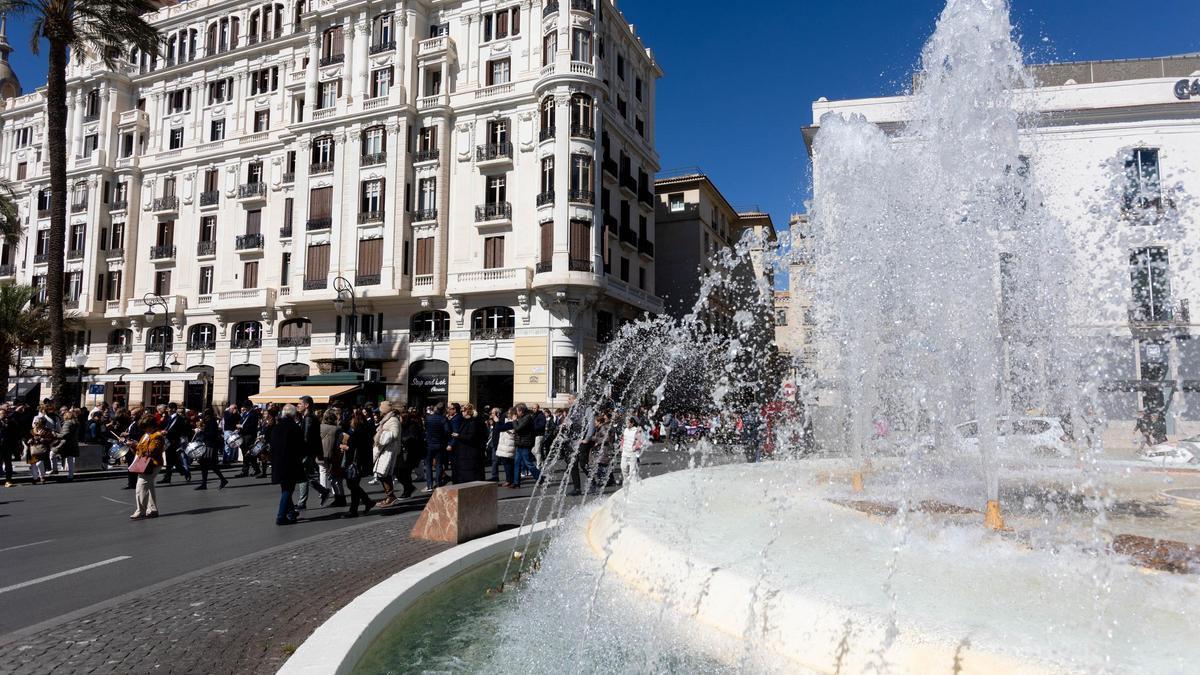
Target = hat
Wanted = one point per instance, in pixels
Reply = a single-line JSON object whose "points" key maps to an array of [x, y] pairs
{"points": [[385, 407]]}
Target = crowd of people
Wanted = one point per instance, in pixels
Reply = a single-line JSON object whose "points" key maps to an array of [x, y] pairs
{"points": [[330, 451]]}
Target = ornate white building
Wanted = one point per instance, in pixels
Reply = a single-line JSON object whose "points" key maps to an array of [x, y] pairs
{"points": [[464, 165]]}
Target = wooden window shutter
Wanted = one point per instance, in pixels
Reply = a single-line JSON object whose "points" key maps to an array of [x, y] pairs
{"points": [[370, 256], [581, 240], [547, 242], [493, 252], [317, 266]]}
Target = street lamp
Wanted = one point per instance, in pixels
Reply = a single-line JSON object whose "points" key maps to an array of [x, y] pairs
{"points": [[80, 359], [344, 288], [152, 300]]}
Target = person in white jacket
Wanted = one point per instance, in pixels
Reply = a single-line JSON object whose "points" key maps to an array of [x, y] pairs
{"points": [[633, 439]]}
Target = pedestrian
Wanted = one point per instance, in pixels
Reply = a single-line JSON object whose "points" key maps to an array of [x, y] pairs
{"points": [[287, 462], [150, 452], [387, 445], [208, 432], [68, 442], [330, 467], [471, 439], [357, 462], [37, 449], [437, 439], [310, 429], [412, 438], [632, 441], [247, 428], [494, 423], [176, 428], [539, 434], [229, 428], [524, 436], [9, 444], [506, 447]]}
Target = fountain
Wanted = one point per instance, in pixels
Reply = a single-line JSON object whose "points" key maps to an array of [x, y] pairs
{"points": [[943, 294]]}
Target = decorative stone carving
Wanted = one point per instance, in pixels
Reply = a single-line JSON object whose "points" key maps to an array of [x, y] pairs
{"points": [[523, 303]]}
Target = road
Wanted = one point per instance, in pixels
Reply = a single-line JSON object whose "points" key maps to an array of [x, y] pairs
{"points": [[68, 546]]}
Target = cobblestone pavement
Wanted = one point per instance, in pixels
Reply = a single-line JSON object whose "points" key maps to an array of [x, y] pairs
{"points": [[244, 616]]}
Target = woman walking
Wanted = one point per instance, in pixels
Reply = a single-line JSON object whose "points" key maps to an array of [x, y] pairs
{"points": [[506, 447], [330, 467], [68, 437], [357, 462], [208, 431], [632, 441], [37, 449], [469, 445], [150, 446], [386, 447]]}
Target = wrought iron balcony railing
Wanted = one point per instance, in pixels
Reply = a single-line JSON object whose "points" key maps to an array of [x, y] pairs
{"points": [[210, 197], [493, 151], [162, 252], [488, 212], [545, 198], [249, 241], [318, 224]]}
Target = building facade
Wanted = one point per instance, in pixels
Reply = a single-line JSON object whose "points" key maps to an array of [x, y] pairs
{"points": [[445, 169], [1116, 154]]}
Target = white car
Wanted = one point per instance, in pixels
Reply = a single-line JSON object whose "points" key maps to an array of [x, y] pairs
{"points": [[1023, 437], [1186, 451]]}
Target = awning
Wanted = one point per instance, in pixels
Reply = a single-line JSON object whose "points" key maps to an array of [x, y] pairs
{"points": [[141, 377], [319, 393]]}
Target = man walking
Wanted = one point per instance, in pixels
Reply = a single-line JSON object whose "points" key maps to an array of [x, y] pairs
{"points": [[177, 430], [437, 439], [310, 430], [525, 437], [247, 428], [287, 462], [539, 433]]}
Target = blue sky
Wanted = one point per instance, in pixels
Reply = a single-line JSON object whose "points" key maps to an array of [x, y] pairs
{"points": [[740, 78]]}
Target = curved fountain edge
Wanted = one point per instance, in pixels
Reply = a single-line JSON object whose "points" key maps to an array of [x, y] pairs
{"points": [[339, 643]]}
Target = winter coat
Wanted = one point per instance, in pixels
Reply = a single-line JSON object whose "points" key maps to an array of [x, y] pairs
{"points": [[360, 442], [70, 439], [437, 432], [468, 452], [287, 452], [329, 442], [387, 439], [524, 432], [506, 444]]}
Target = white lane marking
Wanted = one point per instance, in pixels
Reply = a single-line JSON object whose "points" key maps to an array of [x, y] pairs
{"points": [[115, 501], [64, 573], [13, 548]]}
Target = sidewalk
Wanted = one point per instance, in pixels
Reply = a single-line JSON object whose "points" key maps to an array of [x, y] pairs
{"points": [[243, 616]]}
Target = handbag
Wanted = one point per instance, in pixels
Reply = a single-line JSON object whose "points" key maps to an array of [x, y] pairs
{"points": [[140, 465]]}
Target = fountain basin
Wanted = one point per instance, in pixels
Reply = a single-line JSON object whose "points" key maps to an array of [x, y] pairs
{"points": [[828, 588]]}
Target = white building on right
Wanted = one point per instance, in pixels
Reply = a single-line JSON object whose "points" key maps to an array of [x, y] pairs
{"points": [[1116, 155]]}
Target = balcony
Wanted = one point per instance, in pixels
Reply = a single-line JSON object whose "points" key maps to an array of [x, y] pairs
{"points": [[426, 155], [424, 215], [165, 204], [583, 131], [7, 271], [429, 336], [43, 213], [544, 266], [629, 237], [645, 196], [582, 6], [201, 345], [245, 343], [314, 224], [494, 152], [115, 205], [435, 46], [610, 224], [493, 212], [296, 341], [289, 177], [545, 198], [582, 197], [71, 303], [629, 184], [330, 60], [382, 47], [372, 159], [546, 133], [645, 248], [320, 167], [41, 258], [206, 249], [135, 117], [246, 298], [423, 282], [78, 207], [497, 279], [176, 304], [550, 7], [210, 198], [433, 101], [610, 168], [249, 242], [285, 232], [494, 90], [75, 254], [498, 333], [315, 284], [256, 190], [367, 279], [114, 253], [370, 217], [162, 252], [1152, 320], [121, 348]]}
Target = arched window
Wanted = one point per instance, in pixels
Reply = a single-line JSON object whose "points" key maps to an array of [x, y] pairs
{"points": [[291, 372], [582, 116], [247, 335], [382, 36], [120, 341], [202, 336], [158, 339], [493, 323], [429, 327], [79, 195], [374, 144], [332, 49], [297, 12], [546, 110], [295, 333]]}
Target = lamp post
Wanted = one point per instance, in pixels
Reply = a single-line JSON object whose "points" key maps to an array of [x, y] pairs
{"points": [[152, 300], [80, 359], [344, 288]]}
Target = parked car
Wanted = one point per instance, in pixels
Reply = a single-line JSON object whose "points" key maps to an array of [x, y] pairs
{"points": [[1021, 437], [1186, 451]]}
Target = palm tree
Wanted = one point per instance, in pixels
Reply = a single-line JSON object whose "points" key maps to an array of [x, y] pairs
{"points": [[23, 322], [104, 29]]}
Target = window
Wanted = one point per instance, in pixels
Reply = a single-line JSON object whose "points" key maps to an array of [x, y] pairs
{"points": [[433, 82], [427, 140], [640, 127], [371, 202], [381, 32], [262, 121], [74, 286], [581, 245], [220, 91], [247, 335], [206, 280], [254, 221], [501, 24], [316, 268], [254, 172], [76, 241], [370, 259], [381, 82], [216, 130], [162, 282], [497, 191], [250, 275], [497, 132], [675, 203], [622, 109], [322, 151], [158, 339], [642, 277], [493, 323], [327, 94], [493, 253], [566, 376], [581, 45], [43, 199], [331, 45], [582, 116], [498, 72], [637, 88], [263, 81], [424, 262], [42, 245], [90, 143], [625, 269], [1151, 284], [116, 236], [549, 47], [548, 174], [24, 136], [202, 336], [285, 268], [581, 176], [546, 250], [427, 194], [176, 141], [320, 208], [168, 187], [621, 66], [22, 170], [429, 327], [112, 285], [126, 145], [374, 142], [546, 117], [179, 101], [1142, 188], [165, 234]]}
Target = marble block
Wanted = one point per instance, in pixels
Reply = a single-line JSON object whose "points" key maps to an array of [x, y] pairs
{"points": [[458, 513]]}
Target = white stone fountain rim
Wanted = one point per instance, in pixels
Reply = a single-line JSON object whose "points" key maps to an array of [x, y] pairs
{"points": [[341, 642]]}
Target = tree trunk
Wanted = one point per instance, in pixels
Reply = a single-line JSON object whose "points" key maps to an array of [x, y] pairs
{"points": [[56, 141], [6, 362]]}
